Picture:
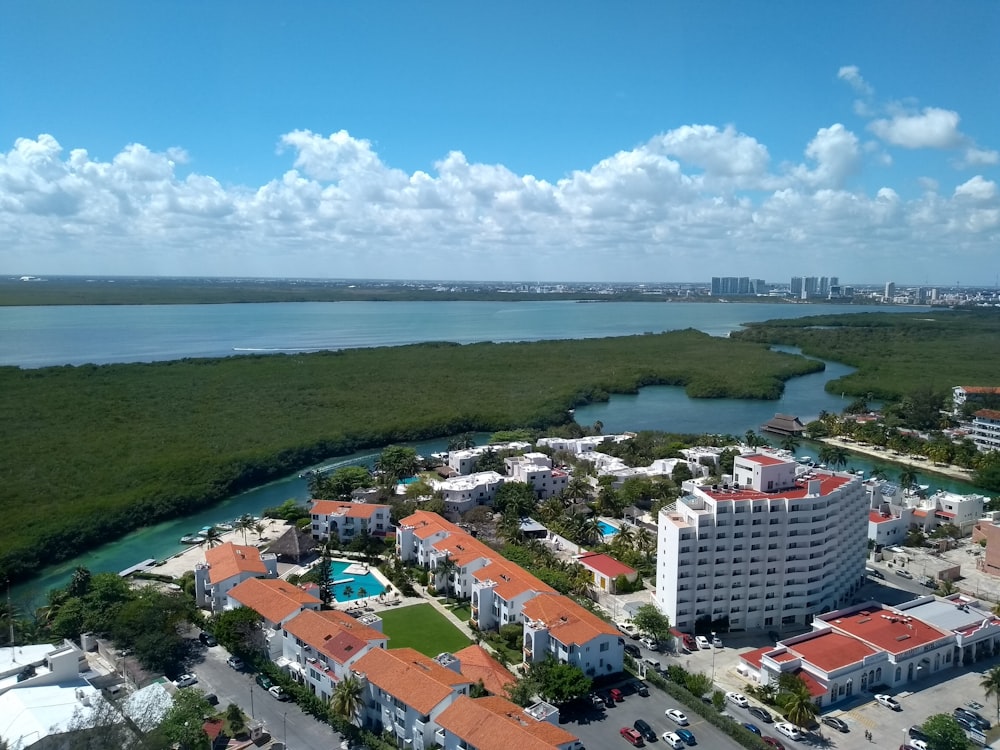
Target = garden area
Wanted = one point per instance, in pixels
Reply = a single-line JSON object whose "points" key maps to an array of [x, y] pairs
{"points": [[423, 628]]}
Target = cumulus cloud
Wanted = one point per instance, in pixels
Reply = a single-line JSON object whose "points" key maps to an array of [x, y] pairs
{"points": [[657, 210], [852, 74], [931, 128], [979, 157]]}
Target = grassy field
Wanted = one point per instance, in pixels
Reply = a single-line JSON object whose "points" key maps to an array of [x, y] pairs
{"points": [[92, 452], [423, 628]]}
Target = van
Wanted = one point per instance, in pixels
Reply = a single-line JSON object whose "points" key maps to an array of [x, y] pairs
{"points": [[651, 663]]}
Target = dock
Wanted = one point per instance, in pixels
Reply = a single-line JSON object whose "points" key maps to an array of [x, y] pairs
{"points": [[138, 567]]}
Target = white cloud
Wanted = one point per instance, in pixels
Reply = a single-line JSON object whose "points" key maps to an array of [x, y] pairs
{"points": [[932, 128], [978, 157], [977, 188], [687, 197], [852, 75]]}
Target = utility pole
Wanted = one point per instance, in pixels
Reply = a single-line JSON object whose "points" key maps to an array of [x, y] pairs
{"points": [[10, 616]]}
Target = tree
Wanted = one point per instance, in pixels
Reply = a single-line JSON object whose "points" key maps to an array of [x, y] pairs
{"points": [[444, 569], [346, 699], [324, 577], [397, 462], [577, 488], [790, 443], [944, 733], [245, 523], [342, 482], [515, 499], [559, 682], [798, 704], [461, 442], [907, 478], [149, 625], [698, 683], [652, 622], [183, 722], [521, 692], [212, 537], [239, 630], [991, 686]]}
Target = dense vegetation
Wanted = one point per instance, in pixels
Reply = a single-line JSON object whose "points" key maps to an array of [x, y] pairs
{"points": [[896, 354], [92, 452]]}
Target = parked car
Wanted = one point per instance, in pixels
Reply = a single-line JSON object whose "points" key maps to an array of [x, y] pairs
{"points": [[645, 730], [974, 716], [716, 641], [649, 643], [760, 713], [752, 727], [737, 699], [632, 737], [672, 739], [278, 693], [916, 733], [651, 663], [888, 701], [632, 650], [212, 698], [597, 700], [904, 573], [773, 743], [689, 642], [264, 681], [609, 702], [839, 724], [185, 680], [702, 641], [642, 689], [965, 723], [687, 735], [788, 729], [208, 639], [616, 695], [919, 744], [235, 662], [678, 717]]}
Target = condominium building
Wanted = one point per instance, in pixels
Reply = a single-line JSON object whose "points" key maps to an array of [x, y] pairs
{"points": [[536, 469], [227, 566], [774, 547], [986, 430], [344, 521]]}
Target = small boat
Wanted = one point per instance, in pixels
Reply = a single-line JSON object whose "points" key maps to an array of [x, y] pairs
{"points": [[224, 527], [193, 538]]}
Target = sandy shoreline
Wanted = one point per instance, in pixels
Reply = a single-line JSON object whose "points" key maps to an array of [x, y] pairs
{"points": [[924, 465], [178, 564]]}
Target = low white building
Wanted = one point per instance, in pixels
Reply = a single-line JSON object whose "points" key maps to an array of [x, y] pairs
{"points": [[227, 566], [535, 469], [581, 445], [463, 493], [276, 601], [405, 692], [893, 512], [555, 625], [464, 461]]}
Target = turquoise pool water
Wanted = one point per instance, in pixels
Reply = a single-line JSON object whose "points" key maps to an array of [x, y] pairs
{"points": [[371, 585], [607, 529]]}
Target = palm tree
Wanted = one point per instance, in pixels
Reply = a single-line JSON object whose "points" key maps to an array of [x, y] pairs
{"points": [[946, 587], [362, 593], [346, 699], [445, 567], [244, 523], [838, 457], [348, 591], [577, 489], [752, 439], [799, 707], [790, 443], [260, 527], [645, 543], [907, 478], [991, 686], [212, 537], [624, 540], [879, 472]]}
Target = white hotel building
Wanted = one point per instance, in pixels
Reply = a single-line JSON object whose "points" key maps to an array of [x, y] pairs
{"points": [[778, 545]]}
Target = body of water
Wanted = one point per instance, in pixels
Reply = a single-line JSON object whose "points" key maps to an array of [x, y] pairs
{"points": [[348, 586], [73, 335]]}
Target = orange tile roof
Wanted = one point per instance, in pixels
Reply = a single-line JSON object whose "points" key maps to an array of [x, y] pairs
{"points": [[273, 599], [512, 580], [567, 621], [754, 657], [815, 687], [336, 634], [464, 548], [477, 664], [887, 629], [987, 414], [984, 389], [409, 676], [494, 723], [228, 560], [760, 458], [425, 524], [875, 517], [352, 510]]}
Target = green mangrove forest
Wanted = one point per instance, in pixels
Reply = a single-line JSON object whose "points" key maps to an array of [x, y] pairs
{"points": [[92, 452], [895, 354]]}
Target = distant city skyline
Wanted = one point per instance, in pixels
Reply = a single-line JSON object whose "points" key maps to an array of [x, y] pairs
{"points": [[520, 142]]}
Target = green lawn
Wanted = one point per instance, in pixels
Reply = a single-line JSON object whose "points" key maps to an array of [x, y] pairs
{"points": [[423, 628]]}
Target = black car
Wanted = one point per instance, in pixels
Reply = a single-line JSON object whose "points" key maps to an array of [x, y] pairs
{"points": [[642, 689], [977, 719], [632, 650], [965, 722], [208, 639], [608, 700], [761, 714], [839, 724], [916, 733], [645, 730]]}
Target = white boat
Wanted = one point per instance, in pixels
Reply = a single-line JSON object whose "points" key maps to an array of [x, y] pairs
{"points": [[193, 538], [224, 526]]}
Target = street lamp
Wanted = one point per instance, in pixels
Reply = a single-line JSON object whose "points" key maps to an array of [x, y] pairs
{"points": [[713, 657], [251, 697], [284, 729]]}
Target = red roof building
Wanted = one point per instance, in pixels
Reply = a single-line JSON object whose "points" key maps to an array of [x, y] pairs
{"points": [[605, 570]]}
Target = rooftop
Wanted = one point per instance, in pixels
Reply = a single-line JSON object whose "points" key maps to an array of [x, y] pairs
{"points": [[764, 460], [477, 664], [272, 599], [605, 565], [228, 560], [334, 633], [495, 723], [988, 414], [830, 651], [409, 676], [828, 483], [566, 621], [351, 510], [886, 629]]}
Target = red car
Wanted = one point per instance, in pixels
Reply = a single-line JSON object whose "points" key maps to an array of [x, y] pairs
{"points": [[771, 742], [632, 736]]}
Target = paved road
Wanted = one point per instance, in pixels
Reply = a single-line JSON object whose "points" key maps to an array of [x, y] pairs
{"points": [[285, 721]]}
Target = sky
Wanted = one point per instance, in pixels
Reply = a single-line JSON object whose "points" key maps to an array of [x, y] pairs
{"points": [[544, 141]]}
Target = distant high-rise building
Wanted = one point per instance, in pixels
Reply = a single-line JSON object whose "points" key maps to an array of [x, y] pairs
{"points": [[743, 285], [796, 286], [824, 286], [890, 291], [716, 286], [759, 286], [834, 281], [810, 287]]}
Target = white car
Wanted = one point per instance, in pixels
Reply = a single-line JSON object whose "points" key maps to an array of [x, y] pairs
{"points": [[716, 641], [919, 744], [788, 729], [649, 643], [185, 680], [674, 740], [888, 701], [737, 699], [678, 717], [702, 641]]}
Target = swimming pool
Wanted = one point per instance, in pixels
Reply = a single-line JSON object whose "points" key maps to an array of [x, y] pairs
{"points": [[348, 586], [607, 529]]}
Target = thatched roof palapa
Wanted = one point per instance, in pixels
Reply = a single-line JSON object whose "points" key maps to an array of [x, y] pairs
{"points": [[293, 546]]}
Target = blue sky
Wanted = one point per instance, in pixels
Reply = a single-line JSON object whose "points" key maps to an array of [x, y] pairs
{"points": [[548, 141]]}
